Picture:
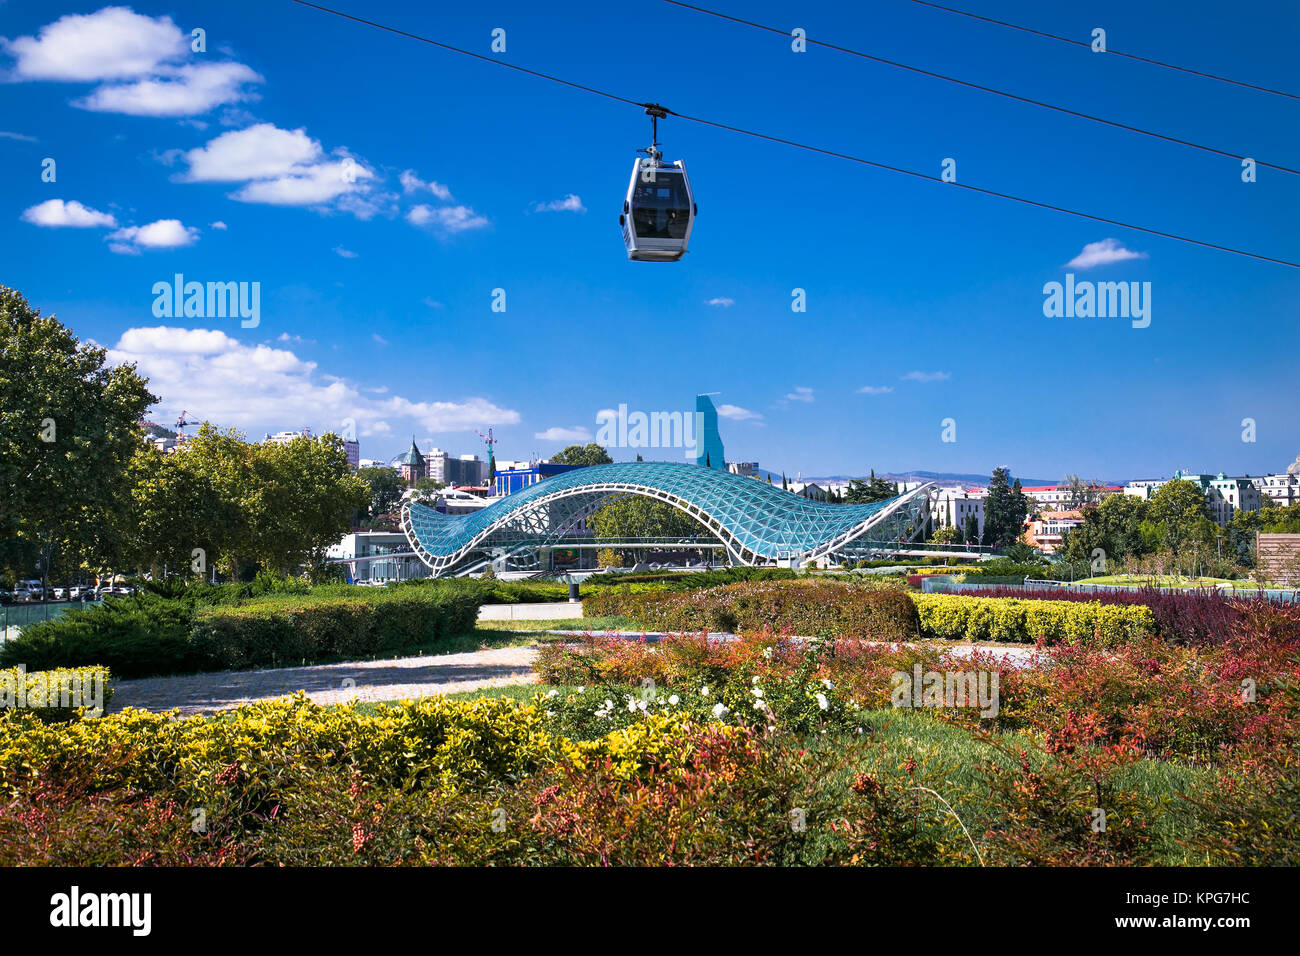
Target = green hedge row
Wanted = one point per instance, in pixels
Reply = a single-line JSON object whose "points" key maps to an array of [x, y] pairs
{"points": [[832, 609], [811, 608], [147, 635], [56, 695]]}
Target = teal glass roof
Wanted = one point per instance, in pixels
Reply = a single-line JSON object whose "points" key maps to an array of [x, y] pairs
{"points": [[758, 522]]}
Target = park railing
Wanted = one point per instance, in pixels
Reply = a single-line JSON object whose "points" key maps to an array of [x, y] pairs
{"points": [[14, 617]]}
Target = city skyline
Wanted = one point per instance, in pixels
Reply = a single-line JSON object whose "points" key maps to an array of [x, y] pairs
{"points": [[376, 218]]}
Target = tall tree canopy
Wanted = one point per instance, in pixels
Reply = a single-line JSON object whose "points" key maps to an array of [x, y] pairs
{"points": [[69, 426], [588, 454], [864, 492], [1005, 508]]}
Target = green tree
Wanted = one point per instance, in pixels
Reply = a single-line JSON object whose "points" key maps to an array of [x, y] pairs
{"points": [[1005, 508], [588, 454], [944, 535], [865, 492], [1081, 493], [385, 487], [69, 426], [1114, 526], [1180, 515], [303, 497], [636, 516]]}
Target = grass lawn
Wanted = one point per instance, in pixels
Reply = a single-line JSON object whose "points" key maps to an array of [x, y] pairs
{"points": [[612, 623], [1164, 581]]}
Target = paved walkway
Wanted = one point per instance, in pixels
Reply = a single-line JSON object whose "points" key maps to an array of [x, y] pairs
{"points": [[395, 679]]}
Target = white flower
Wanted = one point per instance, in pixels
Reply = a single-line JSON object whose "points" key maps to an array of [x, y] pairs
{"points": [[609, 704], [674, 699], [631, 706], [754, 679], [704, 691], [720, 710], [757, 691], [827, 684], [822, 702], [767, 652], [582, 689], [550, 713], [552, 692]]}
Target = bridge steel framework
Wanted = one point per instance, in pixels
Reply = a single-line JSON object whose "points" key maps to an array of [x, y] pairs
{"points": [[757, 523]]}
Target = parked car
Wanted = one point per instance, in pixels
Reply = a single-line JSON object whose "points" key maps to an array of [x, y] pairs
{"points": [[81, 592]]}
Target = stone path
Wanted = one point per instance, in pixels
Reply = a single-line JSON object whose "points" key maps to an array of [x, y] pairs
{"points": [[394, 679]]}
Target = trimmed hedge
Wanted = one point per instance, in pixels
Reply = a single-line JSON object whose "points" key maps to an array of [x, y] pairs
{"points": [[832, 609], [810, 608], [962, 618], [293, 632], [146, 635], [56, 695]]}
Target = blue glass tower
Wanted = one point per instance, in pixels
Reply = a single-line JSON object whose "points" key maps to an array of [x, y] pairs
{"points": [[708, 441]]}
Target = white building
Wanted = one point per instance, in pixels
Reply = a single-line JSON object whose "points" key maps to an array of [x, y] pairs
{"points": [[376, 545], [1281, 490], [1057, 497], [950, 507], [465, 470], [1224, 496]]}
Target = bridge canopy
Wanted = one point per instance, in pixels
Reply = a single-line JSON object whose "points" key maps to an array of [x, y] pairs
{"points": [[757, 523]]}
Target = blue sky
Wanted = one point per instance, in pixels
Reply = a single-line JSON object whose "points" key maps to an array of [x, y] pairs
{"points": [[376, 293]]}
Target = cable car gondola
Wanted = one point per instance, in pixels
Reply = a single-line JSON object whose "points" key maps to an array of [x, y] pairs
{"points": [[659, 208]]}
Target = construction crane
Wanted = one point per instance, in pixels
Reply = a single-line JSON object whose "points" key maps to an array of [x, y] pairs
{"points": [[180, 427], [489, 439]]}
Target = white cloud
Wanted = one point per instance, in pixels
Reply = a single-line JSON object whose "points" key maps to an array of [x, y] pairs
{"points": [[738, 414], [926, 377], [140, 62], [263, 151], [56, 212], [570, 203], [574, 434], [379, 339], [218, 225], [875, 389], [281, 167], [163, 234], [412, 183], [5, 134], [1102, 253], [721, 302], [258, 387], [449, 218], [114, 43], [801, 393], [432, 303], [345, 253], [184, 91]]}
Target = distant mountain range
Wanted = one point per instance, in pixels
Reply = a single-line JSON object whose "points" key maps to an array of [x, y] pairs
{"points": [[943, 478]]}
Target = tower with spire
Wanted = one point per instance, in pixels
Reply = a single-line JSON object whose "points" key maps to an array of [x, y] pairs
{"points": [[411, 465]]}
